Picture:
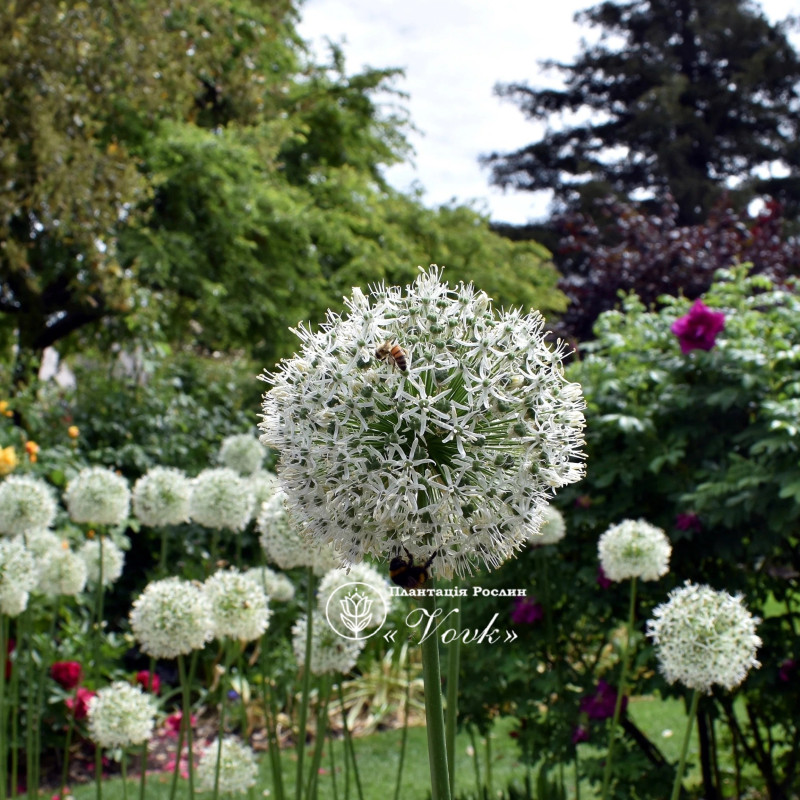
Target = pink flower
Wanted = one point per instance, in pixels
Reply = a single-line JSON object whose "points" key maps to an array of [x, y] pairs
{"points": [[147, 681], [602, 581], [526, 611], [66, 673], [699, 328], [79, 705], [601, 704], [173, 723]]}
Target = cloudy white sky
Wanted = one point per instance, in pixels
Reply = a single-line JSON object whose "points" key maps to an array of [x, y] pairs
{"points": [[453, 53]]}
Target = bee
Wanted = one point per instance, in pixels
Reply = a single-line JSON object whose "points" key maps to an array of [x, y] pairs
{"points": [[394, 354], [406, 573]]}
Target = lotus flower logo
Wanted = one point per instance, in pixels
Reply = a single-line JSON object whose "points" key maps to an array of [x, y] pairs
{"points": [[353, 609]]}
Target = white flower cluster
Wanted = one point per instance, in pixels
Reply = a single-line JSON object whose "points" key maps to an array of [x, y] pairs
{"points": [[373, 594], [634, 549], [330, 652], [703, 637], [120, 715], [18, 576], [553, 527], [242, 453], [171, 617], [454, 452], [113, 560], [162, 497], [238, 769], [239, 606], [26, 504], [278, 588], [98, 496], [284, 546], [221, 499], [60, 570]]}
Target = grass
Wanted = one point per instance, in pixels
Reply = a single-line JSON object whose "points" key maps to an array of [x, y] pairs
{"points": [[663, 720]]}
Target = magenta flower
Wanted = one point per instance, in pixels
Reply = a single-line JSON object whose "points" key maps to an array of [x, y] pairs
{"points": [[526, 611], [688, 521], [580, 734], [786, 669], [699, 328], [600, 705], [602, 581]]}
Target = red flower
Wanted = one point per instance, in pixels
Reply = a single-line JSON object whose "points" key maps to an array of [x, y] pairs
{"points": [[79, 705], [698, 329], [173, 723], [66, 673], [148, 681]]}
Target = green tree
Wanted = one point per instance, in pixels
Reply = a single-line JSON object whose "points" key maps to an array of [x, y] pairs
{"points": [[676, 96]]}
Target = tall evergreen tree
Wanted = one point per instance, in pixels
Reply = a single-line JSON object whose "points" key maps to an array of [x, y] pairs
{"points": [[676, 96]]}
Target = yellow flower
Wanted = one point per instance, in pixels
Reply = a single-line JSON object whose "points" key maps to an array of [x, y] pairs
{"points": [[5, 410], [8, 460], [73, 432]]}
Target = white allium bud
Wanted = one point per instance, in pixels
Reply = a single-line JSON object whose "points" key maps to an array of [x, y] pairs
{"points": [[113, 560], [634, 549], [238, 769], [330, 652], [162, 497], [278, 588], [61, 571], [703, 637], [553, 527], [239, 606], [98, 496], [221, 499], [26, 504], [171, 617], [242, 453], [120, 715]]}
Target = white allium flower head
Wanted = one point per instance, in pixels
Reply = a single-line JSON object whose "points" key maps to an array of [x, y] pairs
{"points": [[330, 652], [242, 453], [456, 456], [284, 546], [703, 637], [162, 497], [238, 768], [26, 504], [171, 617], [553, 527], [276, 585], [634, 549], [18, 576], [98, 496], [374, 589], [263, 485], [61, 571], [239, 606], [221, 499], [113, 560], [120, 715]]}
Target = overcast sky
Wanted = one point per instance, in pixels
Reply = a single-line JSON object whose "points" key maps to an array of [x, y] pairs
{"points": [[453, 53]]}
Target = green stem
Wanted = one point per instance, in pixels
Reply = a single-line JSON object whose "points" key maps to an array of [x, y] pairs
{"points": [[434, 714], [26, 642], [124, 770], [676, 787], [404, 738], [228, 645], [14, 703], [333, 769], [162, 566], [349, 744], [271, 718], [98, 771], [453, 665], [186, 721], [306, 691], [621, 690], [178, 751], [476, 762], [322, 727], [489, 790]]}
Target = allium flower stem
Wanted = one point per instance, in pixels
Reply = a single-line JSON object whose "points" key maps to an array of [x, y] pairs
{"points": [[306, 691], [3, 716], [186, 720], [404, 654], [623, 677], [350, 751], [676, 787], [123, 765], [322, 719], [162, 565], [228, 648], [453, 662], [271, 716], [151, 671], [98, 771], [68, 743], [434, 715]]}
